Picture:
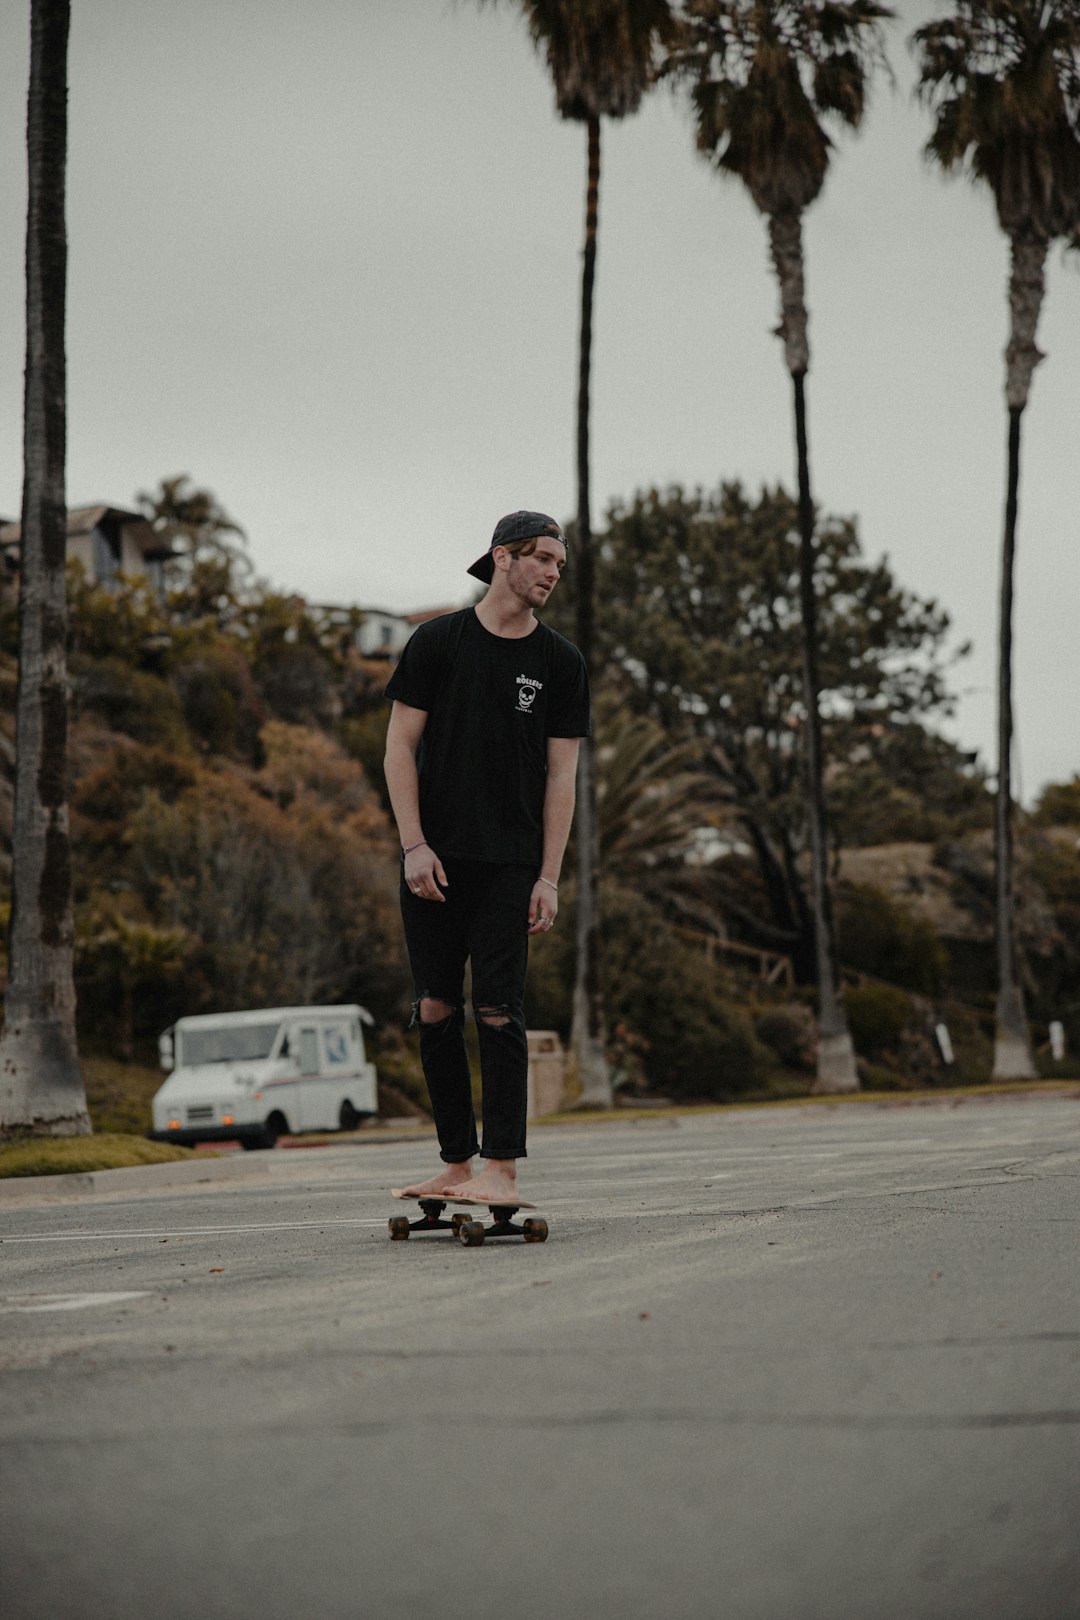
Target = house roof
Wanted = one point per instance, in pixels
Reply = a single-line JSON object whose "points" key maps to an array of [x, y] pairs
{"points": [[85, 519]]}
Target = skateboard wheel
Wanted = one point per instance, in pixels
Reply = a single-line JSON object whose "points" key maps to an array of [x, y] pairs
{"points": [[534, 1231], [470, 1233], [457, 1221], [399, 1227]]}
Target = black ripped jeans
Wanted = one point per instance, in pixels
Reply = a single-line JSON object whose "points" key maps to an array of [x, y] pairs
{"points": [[484, 919]]}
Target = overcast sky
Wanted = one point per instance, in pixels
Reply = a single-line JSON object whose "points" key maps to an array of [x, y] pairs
{"points": [[325, 258]]}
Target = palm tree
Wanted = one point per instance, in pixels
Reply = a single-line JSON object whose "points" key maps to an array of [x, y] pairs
{"points": [[1003, 79], [195, 527], [603, 56], [41, 1088], [655, 802], [764, 74]]}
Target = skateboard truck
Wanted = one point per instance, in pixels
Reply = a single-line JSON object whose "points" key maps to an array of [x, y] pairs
{"points": [[466, 1228]]}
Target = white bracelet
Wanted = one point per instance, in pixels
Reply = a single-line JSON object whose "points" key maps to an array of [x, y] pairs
{"points": [[549, 883]]}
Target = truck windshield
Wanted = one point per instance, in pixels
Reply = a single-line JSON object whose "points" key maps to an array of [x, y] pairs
{"points": [[226, 1043]]}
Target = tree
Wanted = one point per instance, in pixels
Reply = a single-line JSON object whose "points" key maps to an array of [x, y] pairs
{"points": [[41, 1088], [911, 786], [672, 1017], [701, 632], [653, 805], [122, 962], [602, 55], [1003, 78], [208, 558], [764, 74], [1059, 804]]}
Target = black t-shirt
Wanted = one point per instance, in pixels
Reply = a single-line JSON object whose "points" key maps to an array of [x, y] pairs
{"points": [[492, 702]]}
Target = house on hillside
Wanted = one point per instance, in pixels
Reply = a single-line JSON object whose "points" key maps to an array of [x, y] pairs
{"points": [[107, 540], [383, 634], [372, 632]]}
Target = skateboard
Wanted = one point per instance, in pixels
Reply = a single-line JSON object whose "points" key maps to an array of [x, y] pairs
{"points": [[469, 1231]]}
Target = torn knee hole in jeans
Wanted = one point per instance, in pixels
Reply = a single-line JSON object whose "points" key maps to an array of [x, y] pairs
{"points": [[431, 1011], [493, 1017]]}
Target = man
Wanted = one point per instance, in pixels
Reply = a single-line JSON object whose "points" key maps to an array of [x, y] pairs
{"points": [[481, 759]]}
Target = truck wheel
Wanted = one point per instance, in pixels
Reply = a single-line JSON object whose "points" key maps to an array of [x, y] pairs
{"points": [[275, 1126], [348, 1118]]}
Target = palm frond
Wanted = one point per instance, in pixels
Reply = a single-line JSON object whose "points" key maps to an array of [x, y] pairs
{"points": [[766, 77], [602, 54], [1003, 81]]}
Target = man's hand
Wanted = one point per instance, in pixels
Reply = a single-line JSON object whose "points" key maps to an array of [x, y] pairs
{"points": [[543, 907], [424, 874]]}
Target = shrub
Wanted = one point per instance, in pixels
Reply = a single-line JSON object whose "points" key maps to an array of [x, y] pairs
{"points": [[1059, 805], [139, 705], [973, 1051], [288, 907], [665, 999], [220, 700], [9, 679], [877, 936], [106, 797], [363, 738], [397, 1062], [789, 1031], [880, 1077], [877, 1015], [118, 784], [118, 1095], [118, 622], [296, 684], [304, 768], [127, 972]]}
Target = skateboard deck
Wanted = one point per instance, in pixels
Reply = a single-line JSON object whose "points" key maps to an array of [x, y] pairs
{"points": [[482, 1203], [468, 1231], [493, 1203]]}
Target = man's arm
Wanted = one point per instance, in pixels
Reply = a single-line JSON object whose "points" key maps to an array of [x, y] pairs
{"points": [[423, 869], [559, 791]]}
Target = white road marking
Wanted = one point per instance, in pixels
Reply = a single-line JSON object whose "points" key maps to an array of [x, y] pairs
{"points": [[186, 1231], [70, 1302]]}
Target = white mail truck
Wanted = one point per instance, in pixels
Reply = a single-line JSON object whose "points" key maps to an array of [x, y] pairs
{"points": [[254, 1076]]}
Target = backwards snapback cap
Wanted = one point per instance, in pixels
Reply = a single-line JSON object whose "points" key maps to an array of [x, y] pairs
{"points": [[516, 526]]}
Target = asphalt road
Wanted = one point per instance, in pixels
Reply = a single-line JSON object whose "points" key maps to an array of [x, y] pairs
{"points": [[806, 1364]]}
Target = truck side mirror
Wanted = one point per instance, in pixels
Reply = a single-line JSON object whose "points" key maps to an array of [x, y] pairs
{"points": [[165, 1051]]}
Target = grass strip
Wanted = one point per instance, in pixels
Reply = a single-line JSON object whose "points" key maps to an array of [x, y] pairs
{"points": [[77, 1155], [890, 1099]]}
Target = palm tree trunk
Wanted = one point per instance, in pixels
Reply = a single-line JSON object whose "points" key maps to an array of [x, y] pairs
{"points": [[1012, 1045], [836, 1070], [41, 1087], [587, 1035], [1013, 1058]]}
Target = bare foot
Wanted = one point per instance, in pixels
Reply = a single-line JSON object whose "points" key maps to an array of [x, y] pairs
{"points": [[452, 1175], [496, 1184]]}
